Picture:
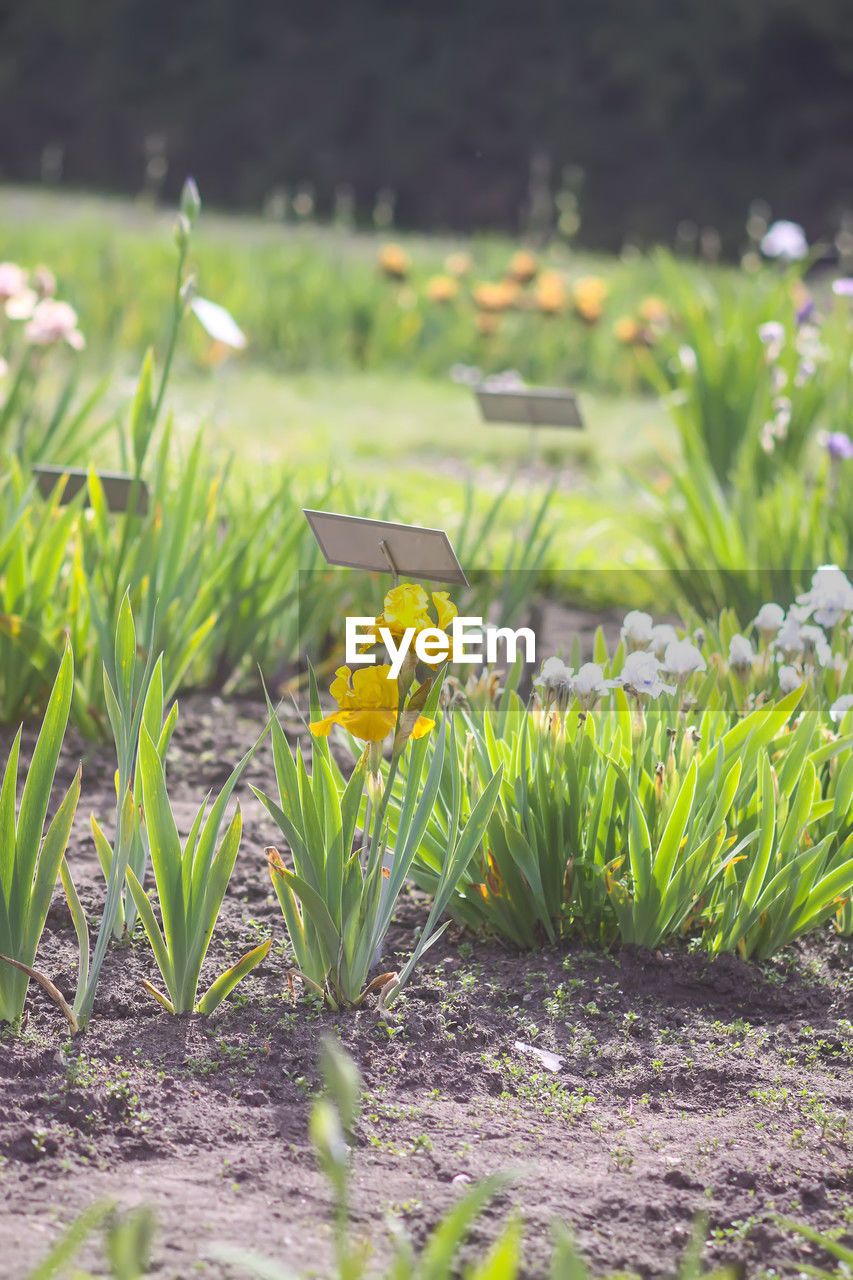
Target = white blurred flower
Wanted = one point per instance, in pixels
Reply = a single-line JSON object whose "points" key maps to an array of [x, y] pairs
{"points": [[662, 635], [555, 679], [779, 380], [687, 356], [785, 240], [806, 370], [52, 322], [815, 645], [781, 417], [741, 655], [830, 597], [768, 621], [637, 629], [790, 679], [841, 706], [22, 305], [589, 684], [467, 375], [682, 658], [4, 368], [789, 639], [218, 323], [808, 343], [640, 675], [13, 280], [772, 335], [507, 380]]}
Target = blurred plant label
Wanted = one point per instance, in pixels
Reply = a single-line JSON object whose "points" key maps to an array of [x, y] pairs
{"points": [[532, 407], [550, 1061], [382, 546], [218, 323], [117, 486]]}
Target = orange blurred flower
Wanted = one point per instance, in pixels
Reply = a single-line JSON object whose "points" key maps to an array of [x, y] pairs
{"points": [[394, 261], [589, 294], [442, 288], [495, 297], [523, 266], [630, 332], [551, 294]]}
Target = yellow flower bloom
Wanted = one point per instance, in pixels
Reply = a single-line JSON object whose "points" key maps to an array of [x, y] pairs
{"points": [[589, 294], [407, 606], [495, 297], [551, 295], [523, 266], [442, 289], [631, 332], [394, 261], [367, 705]]}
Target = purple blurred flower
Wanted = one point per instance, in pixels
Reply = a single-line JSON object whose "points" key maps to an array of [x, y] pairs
{"points": [[843, 288], [838, 445], [805, 311]]}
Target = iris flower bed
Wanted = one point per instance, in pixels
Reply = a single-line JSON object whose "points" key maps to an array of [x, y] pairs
{"points": [[689, 788]]}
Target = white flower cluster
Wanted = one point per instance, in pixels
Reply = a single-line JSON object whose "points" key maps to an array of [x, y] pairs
{"points": [[792, 648], [560, 684], [652, 650], [798, 639]]}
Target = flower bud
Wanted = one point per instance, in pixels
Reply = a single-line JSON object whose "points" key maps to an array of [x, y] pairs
{"points": [[182, 231], [190, 201]]}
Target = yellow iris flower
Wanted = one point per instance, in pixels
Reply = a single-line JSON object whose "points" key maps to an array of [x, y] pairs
{"points": [[367, 705], [408, 606]]}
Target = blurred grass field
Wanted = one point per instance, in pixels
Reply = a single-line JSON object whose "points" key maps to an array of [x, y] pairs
{"points": [[391, 421], [314, 297], [422, 443]]}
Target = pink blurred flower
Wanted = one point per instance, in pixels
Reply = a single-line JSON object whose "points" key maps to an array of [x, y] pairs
{"points": [[13, 280], [52, 322]]}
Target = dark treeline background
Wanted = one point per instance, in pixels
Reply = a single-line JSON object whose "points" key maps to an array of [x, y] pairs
{"points": [[674, 109]]}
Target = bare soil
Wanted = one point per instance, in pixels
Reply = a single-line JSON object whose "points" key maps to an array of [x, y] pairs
{"points": [[684, 1086]]}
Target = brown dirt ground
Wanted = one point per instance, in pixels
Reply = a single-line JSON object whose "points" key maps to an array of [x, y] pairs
{"points": [[685, 1086]]}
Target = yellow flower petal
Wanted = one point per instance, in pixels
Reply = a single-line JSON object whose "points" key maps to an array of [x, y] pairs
{"points": [[422, 726], [406, 606], [445, 609]]}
